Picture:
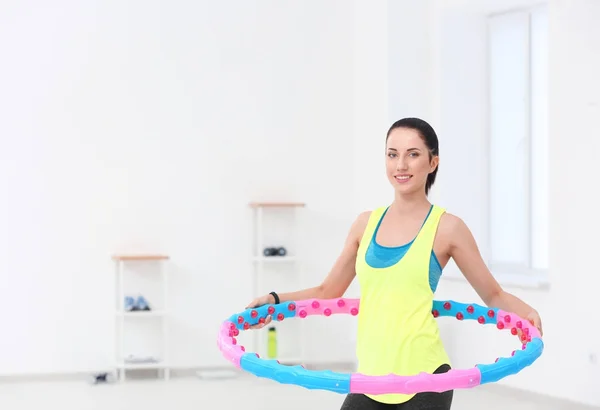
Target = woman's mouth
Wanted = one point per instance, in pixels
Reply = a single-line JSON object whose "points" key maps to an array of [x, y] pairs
{"points": [[402, 178]]}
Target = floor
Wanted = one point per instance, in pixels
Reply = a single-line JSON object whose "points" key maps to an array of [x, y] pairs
{"points": [[242, 391]]}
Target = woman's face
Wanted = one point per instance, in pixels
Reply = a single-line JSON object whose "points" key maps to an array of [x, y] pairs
{"points": [[408, 161]]}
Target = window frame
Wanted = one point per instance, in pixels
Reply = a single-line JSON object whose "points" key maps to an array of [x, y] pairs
{"points": [[533, 271]]}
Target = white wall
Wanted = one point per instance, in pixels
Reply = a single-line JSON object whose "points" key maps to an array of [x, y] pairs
{"points": [[392, 80], [567, 367], [147, 127]]}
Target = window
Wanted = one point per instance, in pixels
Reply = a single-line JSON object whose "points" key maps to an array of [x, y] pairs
{"points": [[518, 186]]}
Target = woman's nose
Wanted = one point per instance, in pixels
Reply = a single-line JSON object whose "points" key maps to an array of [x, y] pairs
{"points": [[401, 164]]}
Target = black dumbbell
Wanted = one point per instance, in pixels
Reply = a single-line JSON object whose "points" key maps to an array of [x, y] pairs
{"points": [[281, 251], [270, 251]]}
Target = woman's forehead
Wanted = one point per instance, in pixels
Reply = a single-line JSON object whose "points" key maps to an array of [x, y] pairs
{"points": [[403, 138]]}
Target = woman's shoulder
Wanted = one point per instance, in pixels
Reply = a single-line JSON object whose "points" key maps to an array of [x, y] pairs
{"points": [[451, 224], [449, 219], [362, 219], [360, 223]]}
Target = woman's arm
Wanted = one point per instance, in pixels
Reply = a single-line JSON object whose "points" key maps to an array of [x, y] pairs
{"points": [[337, 281], [343, 271], [465, 252]]}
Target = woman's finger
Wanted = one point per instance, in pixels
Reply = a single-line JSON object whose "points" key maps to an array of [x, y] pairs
{"points": [[263, 324], [252, 304], [537, 322]]}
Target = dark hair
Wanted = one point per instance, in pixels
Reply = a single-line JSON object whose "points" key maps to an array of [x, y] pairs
{"points": [[428, 136]]}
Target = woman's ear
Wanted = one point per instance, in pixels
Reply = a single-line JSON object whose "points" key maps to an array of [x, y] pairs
{"points": [[435, 161]]}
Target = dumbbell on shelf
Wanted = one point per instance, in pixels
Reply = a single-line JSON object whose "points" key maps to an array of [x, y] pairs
{"points": [[277, 251]]}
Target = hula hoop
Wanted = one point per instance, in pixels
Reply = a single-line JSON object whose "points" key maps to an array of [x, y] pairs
{"points": [[344, 383]]}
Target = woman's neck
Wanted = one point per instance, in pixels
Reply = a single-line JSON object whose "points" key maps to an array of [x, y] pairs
{"points": [[410, 203]]}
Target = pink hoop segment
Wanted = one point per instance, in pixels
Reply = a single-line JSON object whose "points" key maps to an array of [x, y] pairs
{"points": [[327, 307], [392, 383], [228, 344]]}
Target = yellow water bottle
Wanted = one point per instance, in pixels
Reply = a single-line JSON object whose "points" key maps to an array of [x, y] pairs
{"points": [[272, 343]]}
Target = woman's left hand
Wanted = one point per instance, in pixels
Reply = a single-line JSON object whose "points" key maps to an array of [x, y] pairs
{"points": [[534, 318]]}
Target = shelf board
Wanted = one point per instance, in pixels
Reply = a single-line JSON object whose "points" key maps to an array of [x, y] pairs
{"points": [[142, 313], [276, 204], [139, 257], [274, 259], [148, 365]]}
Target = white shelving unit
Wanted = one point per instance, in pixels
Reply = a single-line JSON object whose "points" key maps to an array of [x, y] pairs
{"points": [[277, 273], [126, 357]]}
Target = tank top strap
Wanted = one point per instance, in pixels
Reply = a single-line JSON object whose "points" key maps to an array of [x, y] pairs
{"points": [[426, 236], [373, 222]]}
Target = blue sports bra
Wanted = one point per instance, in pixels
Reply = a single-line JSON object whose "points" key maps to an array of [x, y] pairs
{"points": [[379, 256]]}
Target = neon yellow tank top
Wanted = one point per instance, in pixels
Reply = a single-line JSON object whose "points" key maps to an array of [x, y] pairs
{"points": [[396, 331]]}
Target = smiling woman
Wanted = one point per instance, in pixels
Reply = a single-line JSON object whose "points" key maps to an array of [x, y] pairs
{"points": [[412, 143], [397, 252]]}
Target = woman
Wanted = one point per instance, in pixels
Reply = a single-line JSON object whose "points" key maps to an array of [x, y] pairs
{"points": [[398, 253]]}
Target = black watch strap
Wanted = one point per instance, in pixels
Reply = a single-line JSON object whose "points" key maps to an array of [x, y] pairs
{"points": [[276, 296]]}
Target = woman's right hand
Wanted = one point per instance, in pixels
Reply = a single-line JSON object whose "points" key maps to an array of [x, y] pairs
{"points": [[260, 301]]}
